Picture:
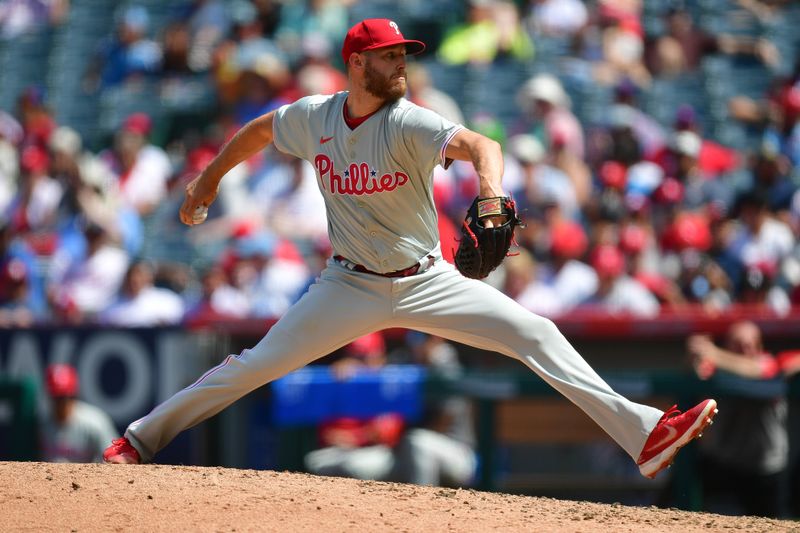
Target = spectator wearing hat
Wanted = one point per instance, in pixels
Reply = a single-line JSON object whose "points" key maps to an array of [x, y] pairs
{"points": [[700, 189], [714, 159], [283, 276], [35, 206], [572, 279], [492, 31], [142, 169], [547, 115], [692, 245], [268, 269], [617, 293], [73, 431], [607, 205], [643, 260], [140, 303]]}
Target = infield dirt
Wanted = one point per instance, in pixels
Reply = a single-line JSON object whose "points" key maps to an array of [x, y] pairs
{"points": [[77, 498]]}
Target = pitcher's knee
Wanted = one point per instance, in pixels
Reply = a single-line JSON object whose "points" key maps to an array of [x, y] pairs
{"points": [[539, 328]]}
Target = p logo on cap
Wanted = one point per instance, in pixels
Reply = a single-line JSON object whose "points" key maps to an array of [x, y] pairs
{"points": [[370, 34]]}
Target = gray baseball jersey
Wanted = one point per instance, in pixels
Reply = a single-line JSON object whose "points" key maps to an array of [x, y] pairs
{"points": [[376, 179]]}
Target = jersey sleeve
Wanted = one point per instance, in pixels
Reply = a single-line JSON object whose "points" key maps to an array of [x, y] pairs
{"points": [[427, 135], [290, 128]]}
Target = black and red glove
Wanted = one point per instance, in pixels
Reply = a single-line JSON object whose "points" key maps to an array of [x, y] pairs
{"points": [[482, 249]]}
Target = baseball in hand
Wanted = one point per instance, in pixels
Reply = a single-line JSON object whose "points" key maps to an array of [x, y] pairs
{"points": [[200, 214]]}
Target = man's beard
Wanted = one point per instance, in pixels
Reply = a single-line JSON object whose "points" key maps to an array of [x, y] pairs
{"points": [[382, 87]]}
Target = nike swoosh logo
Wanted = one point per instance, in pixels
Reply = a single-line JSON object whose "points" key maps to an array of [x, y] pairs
{"points": [[323, 140], [671, 433]]}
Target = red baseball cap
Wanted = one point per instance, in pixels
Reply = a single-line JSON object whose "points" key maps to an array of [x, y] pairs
{"points": [[632, 239], [369, 345], [608, 261], [688, 231], [568, 240], [613, 175], [376, 33], [139, 123], [61, 380]]}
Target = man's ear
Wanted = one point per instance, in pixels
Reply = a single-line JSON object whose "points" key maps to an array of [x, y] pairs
{"points": [[357, 60]]}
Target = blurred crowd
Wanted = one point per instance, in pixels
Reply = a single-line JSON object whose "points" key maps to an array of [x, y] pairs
{"points": [[628, 215]]}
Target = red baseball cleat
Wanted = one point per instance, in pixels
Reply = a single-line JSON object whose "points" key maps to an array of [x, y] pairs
{"points": [[121, 452], [674, 431]]}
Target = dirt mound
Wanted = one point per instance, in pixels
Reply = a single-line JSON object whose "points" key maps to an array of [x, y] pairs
{"points": [[62, 497]]}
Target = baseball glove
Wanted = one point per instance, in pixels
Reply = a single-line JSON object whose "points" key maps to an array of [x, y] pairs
{"points": [[482, 249]]}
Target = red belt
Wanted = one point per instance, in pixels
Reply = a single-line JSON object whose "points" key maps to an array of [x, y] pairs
{"points": [[410, 271]]}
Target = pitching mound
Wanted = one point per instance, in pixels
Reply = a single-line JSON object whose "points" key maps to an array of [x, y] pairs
{"points": [[62, 497]]}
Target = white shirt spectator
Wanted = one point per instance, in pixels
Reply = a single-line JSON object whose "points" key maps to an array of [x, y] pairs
{"points": [[228, 300], [146, 183], [45, 197], [152, 306], [629, 296], [574, 283], [542, 299], [773, 243], [89, 283], [279, 287]]}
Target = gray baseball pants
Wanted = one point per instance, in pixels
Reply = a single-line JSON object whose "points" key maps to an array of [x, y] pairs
{"points": [[344, 305]]}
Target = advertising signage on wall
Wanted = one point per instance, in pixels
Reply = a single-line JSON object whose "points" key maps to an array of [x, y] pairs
{"points": [[124, 371]]}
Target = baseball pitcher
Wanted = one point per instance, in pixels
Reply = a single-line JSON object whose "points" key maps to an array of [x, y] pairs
{"points": [[374, 154]]}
